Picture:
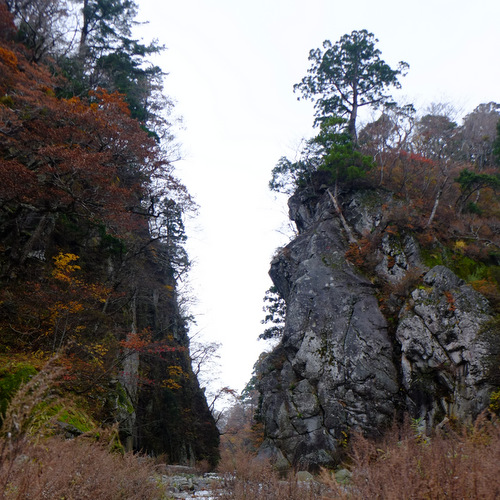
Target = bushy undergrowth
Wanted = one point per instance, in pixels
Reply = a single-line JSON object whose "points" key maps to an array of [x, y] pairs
{"points": [[72, 470], [407, 465], [451, 463], [35, 464], [404, 465], [245, 476]]}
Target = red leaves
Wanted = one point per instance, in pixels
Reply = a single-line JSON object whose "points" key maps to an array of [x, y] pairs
{"points": [[142, 343], [7, 28], [88, 157]]}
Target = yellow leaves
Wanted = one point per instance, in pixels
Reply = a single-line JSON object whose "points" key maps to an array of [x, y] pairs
{"points": [[61, 308], [99, 292], [64, 270], [68, 302], [61, 312], [460, 245], [176, 374], [170, 384], [63, 267], [175, 371], [97, 352], [495, 402]]}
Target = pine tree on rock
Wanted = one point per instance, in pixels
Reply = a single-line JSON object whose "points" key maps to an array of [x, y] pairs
{"points": [[348, 75]]}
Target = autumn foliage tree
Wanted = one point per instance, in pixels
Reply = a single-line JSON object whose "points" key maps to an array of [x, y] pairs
{"points": [[91, 231]]}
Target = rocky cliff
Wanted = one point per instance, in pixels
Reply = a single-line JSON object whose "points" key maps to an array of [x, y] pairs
{"points": [[367, 337], [91, 248], [127, 354]]}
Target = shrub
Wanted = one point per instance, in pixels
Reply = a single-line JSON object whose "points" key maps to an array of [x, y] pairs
{"points": [[451, 464], [72, 469], [32, 466]]}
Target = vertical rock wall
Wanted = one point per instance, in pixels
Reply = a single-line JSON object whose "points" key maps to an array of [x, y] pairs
{"points": [[339, 367]]}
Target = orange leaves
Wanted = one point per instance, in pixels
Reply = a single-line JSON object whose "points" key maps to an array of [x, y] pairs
{"points": [[76, 105], [451, 301], [136, 341], [485, 286], [362, 253], [113, 100], [8, 58]]}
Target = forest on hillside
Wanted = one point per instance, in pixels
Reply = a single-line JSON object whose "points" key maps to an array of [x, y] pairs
{"points": [[445, 175], [92, 235]]}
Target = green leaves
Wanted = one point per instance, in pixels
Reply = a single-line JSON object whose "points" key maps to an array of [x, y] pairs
{"points": [[471, 182], [339, 156], [275, 309], [348, 75], [330, 157]]}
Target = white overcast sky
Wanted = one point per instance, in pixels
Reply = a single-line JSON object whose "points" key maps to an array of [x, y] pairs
{"points": [[232, 65]]}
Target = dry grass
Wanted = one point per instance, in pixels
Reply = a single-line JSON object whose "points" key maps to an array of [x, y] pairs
{"points": [[73, 470], [245, 476], [406, 465], [38, 467], [403, 466]]}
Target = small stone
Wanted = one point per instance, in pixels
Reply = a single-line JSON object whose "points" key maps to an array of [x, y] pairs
{"points": [[343, 476], [305, 476]]}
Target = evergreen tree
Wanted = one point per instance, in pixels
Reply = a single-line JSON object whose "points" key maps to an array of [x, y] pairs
{"points": [[109, 57], [275, 309], [329, 158], [348, 75]]}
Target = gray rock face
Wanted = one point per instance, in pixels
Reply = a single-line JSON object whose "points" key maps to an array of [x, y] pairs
{"points": [[334, 370], [337, 367], [444, 358]]}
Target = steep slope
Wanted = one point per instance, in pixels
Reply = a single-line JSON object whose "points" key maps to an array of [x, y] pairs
{"points": [[90, 252], [360, 346]]}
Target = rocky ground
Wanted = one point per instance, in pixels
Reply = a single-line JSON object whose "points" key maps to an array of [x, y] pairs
{"points": [[188, 483]]}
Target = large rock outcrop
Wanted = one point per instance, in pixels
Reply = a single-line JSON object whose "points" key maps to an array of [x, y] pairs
{"points": [[444, 358], [340, 366]]}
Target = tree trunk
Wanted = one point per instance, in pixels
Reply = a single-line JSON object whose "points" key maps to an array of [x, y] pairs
{"points": [[436, 202], [85, 29], [346, 227], [130, 381], [351, 125]]}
